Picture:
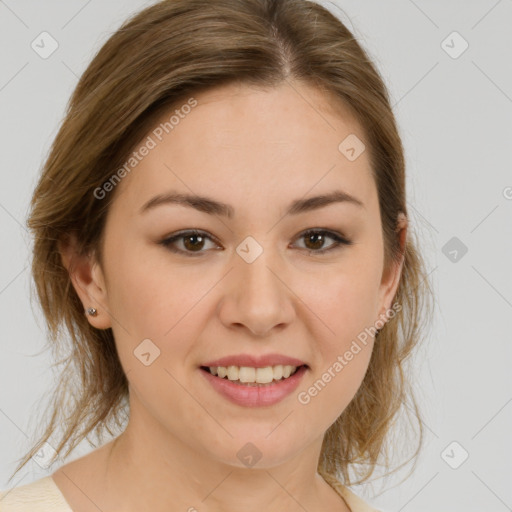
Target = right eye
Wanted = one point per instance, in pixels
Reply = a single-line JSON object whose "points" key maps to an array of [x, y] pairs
{"points": [[192, 240]]}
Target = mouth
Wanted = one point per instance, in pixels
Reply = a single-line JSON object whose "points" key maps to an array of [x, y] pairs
{"points": [[248, 386], [251, 376]]}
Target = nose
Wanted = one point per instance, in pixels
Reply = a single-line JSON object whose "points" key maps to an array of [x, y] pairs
{"points": [[257, 297]]}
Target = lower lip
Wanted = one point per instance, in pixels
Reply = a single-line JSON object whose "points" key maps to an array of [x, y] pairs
{"points": [[255, 396]]}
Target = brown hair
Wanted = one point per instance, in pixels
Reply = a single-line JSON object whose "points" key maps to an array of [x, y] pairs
{"points": [[158, 57]]}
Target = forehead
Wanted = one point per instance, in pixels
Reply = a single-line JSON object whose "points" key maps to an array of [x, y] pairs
{"points": [[243, 141], [241, 115]]}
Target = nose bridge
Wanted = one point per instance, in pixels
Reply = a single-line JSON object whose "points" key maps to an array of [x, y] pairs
{"points": [[257, 268], [258, 297]]}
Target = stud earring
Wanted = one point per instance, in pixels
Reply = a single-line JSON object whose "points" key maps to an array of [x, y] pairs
{"points": [[91, 312]]}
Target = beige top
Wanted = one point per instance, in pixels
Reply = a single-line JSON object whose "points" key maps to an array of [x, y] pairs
{"points": [[43, 495]]}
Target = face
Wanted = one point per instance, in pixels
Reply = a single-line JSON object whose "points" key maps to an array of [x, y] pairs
{"points": [[267, 273]]}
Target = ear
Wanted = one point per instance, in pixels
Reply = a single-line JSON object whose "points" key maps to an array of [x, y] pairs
{"points": [[88, 281], [391, 278]]}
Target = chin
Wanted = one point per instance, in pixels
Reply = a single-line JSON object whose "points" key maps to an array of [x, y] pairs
{"points": [[258, 450]]}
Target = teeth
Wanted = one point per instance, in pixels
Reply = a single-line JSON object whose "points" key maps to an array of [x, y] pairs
{"points": [[233, 372], [278, 372], [263, 375], [246, 374], [249, 375]]}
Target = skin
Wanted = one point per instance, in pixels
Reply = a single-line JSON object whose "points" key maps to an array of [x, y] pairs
{"points": [[256, 150]]}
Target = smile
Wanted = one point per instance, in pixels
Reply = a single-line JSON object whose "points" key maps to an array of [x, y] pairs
{"points": [[254, 387], [249, 375]]}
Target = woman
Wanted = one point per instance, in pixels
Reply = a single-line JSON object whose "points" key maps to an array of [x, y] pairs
{"points": [[221, 225]]}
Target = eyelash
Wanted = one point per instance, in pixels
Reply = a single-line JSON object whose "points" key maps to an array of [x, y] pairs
{"points": [[339, 241]]}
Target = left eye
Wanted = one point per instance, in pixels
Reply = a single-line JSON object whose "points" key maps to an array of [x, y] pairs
{"points": [[318, 237], [193, 241]]}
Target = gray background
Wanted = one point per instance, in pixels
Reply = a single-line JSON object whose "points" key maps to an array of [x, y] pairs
{"points": [[455, 119]]}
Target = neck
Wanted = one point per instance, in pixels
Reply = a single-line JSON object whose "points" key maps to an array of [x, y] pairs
{"points": [[153, 470]]}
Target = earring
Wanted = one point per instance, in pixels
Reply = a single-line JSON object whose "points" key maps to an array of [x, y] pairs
{"points": [[91, 311]]}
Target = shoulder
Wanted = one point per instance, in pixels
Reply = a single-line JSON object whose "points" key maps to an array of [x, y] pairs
{"points": [[42, 495], [354, 502]]}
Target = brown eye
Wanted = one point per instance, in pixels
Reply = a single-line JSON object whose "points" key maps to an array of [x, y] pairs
{"points": [[192, 241], [315, 240]]}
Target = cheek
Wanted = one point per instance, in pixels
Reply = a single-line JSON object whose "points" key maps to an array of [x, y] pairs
{"points": [[345, 299], [147, 295], [331, 390], [344, 343]]}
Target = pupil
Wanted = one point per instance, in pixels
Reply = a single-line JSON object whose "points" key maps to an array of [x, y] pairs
{"points": [[319, 238], [192, 246]]}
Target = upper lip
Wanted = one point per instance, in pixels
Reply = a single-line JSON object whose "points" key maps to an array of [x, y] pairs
{"points": [[255, 361]]}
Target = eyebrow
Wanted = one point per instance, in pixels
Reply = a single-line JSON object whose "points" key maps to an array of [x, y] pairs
{"points": [[213, 207]]}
